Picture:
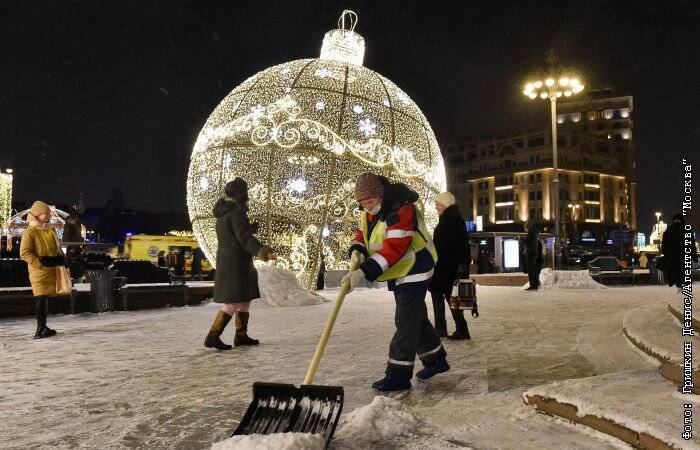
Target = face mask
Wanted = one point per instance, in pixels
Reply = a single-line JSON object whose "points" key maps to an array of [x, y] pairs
{"points": [[375, 210]]}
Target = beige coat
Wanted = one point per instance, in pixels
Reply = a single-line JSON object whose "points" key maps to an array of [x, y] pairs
{"points": [[36, 243]]}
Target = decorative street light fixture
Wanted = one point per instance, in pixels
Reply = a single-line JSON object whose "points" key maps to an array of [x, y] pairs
{"points": [[553, 88]]}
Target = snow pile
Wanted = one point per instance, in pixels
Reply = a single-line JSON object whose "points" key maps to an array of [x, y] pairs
{"points": [[279, 287], [383, 419], [277, 441], [640, 400], [567, 279]]}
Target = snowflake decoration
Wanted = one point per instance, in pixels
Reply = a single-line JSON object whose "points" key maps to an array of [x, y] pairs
{"points": [[386, 102], [357, 109], [323, 73], [367, 127], [257, 111], [227, 160], [203, 183], [297, 185], [320, 105], [236, 105], [288, 90], [285, 71]]}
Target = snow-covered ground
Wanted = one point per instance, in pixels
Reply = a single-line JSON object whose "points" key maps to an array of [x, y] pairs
{"points": [[143, 379]]}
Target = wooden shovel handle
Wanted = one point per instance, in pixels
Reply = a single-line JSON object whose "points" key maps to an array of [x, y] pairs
{"points": [[321, 347]]}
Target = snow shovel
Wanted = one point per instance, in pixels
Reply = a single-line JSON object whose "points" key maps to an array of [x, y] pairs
{"points": [[284, 408]]}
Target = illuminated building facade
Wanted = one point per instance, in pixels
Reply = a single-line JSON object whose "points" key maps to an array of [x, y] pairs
{"points": [[507, 179]]}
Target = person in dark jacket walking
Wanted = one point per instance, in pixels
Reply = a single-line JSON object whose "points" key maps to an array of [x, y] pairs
{"points": [[454, 256], [393, 244], [673, 249], [236, 282], [533, 257]]}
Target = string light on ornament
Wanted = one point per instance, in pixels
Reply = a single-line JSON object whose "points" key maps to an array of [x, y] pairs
{"points": [[300, 133]]}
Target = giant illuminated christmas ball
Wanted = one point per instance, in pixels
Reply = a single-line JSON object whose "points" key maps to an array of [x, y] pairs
{"points": [[300, 133]]}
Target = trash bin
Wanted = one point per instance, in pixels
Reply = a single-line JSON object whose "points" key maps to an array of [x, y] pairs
{"points": [[102, 297]]}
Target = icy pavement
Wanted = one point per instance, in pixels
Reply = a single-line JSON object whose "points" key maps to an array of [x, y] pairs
{"points": [[143, 379]]}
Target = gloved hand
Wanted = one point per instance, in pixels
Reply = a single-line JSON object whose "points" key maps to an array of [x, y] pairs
{"points": [[354, 278], [356, 257]]}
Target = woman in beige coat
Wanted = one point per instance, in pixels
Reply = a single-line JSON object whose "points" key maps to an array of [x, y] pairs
{"points": [[40, 251]]}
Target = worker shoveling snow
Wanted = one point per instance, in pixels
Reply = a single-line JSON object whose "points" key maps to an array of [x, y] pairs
{"points": [[566, 279], [382, 420], [279, 287]]}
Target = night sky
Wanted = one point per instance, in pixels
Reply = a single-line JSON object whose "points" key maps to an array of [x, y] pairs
{"points": [[98, 95]]}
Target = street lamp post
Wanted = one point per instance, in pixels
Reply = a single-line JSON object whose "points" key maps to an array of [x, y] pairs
{"points": [[553, 88]]}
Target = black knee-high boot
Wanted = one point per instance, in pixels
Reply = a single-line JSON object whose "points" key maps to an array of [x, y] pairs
{"points": [[462, 331], [48, 332], [40, 317]]}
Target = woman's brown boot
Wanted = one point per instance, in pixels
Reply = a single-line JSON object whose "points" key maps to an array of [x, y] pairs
{"points": [[242, 337], [213, 338]]}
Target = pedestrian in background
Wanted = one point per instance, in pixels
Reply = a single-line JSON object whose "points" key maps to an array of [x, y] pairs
{"points": [[236, 280], [673, 250], [40, 250], [454, 257], [533, 257]]}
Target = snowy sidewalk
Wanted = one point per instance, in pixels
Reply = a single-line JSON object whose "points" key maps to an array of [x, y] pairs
{"points": [[143, 379]]}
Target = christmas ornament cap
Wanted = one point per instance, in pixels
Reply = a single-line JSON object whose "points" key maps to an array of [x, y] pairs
{"points": [[343, 44]]}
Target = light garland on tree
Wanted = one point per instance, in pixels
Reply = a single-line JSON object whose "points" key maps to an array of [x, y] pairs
{"points": [[300, 133], [5, 195]]}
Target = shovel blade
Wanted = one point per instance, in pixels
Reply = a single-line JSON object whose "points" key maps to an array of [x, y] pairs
{"points": [[284, 408]]}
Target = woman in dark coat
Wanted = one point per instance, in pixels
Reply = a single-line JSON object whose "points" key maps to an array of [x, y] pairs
{"points": [[454, 256], [236, 282]]}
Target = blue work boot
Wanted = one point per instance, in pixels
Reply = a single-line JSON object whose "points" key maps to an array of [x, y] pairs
{"points": [[430, 371], [389, 383]]}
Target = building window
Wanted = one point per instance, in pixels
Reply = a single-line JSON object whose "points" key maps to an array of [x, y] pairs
{"points": [[539, 175], [592, 212], [538, 213], [591, 195], [608, 113], [624, 113], [576, 117], [539, 195], [532, 213], [591, 115], [532, 196]]}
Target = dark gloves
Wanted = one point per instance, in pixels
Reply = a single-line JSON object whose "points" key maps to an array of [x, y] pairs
{"points": [[52, 261]]}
